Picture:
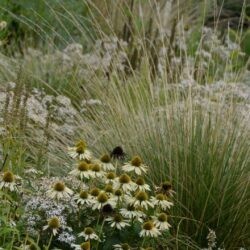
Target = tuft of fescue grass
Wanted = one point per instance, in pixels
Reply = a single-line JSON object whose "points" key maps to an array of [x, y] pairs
{"points": [[202, 147]]}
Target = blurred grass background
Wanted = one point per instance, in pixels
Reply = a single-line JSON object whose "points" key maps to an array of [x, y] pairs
{"points": [[34, 23]]}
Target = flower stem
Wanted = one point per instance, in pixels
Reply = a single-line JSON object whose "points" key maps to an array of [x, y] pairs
{"points": [[50, 240]]}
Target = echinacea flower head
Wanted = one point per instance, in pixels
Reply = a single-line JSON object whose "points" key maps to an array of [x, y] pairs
{"points": [[166, 188], [53, 224], [123, 246], [96, 170], [118, 153], [140, 200], [9, 182], [135, 165], [125, 183], [117, 221], [109, 189], [161, 221], [131, 213], [110, 177], [82, 170], [89, 234], [107, 210], [59, 191], [83, 246], [117, 196], [106, 164], [101, 200], [80, 151], [83, 198], [140, 185], [149, 229], [94, 192], [161, 201]]}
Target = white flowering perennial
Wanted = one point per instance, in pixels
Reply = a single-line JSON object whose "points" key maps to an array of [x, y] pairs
{"points": [[118, 222], [135, 165], [140, 200], [59, 191], [80, 151], [161, 221], [89, 234], [53, 224], [82, 170], [9, 181], [149, 229], [106, 164], [83, 198], [96, 204], [161, 201]]}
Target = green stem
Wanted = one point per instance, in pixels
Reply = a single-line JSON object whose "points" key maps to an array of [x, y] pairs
{"points": [[100, 234], [143, 241], [50, 240]]}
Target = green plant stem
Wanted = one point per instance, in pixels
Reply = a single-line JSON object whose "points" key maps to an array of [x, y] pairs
{"points": [[50, 240]]}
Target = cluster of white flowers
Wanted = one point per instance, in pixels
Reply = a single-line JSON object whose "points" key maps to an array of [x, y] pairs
{"points": [[118, 192], [113, 197]]}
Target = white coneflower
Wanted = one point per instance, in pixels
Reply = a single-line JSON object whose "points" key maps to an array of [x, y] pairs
{"points": [[125, 183], [131, 213], [161, 201], [149, 229], [118, 196], [140, 185], [135, 165], [83, 246], [9, 181], [140, 200], [96, 171], [161, 221], [110, 178], [83, 198], [123, 246], [101, 200], [105, 163], [59, 191], [94, 192], [117, 221], [53, 224], [80, 151], [82, 170], [89, 234], [109, 190]]}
